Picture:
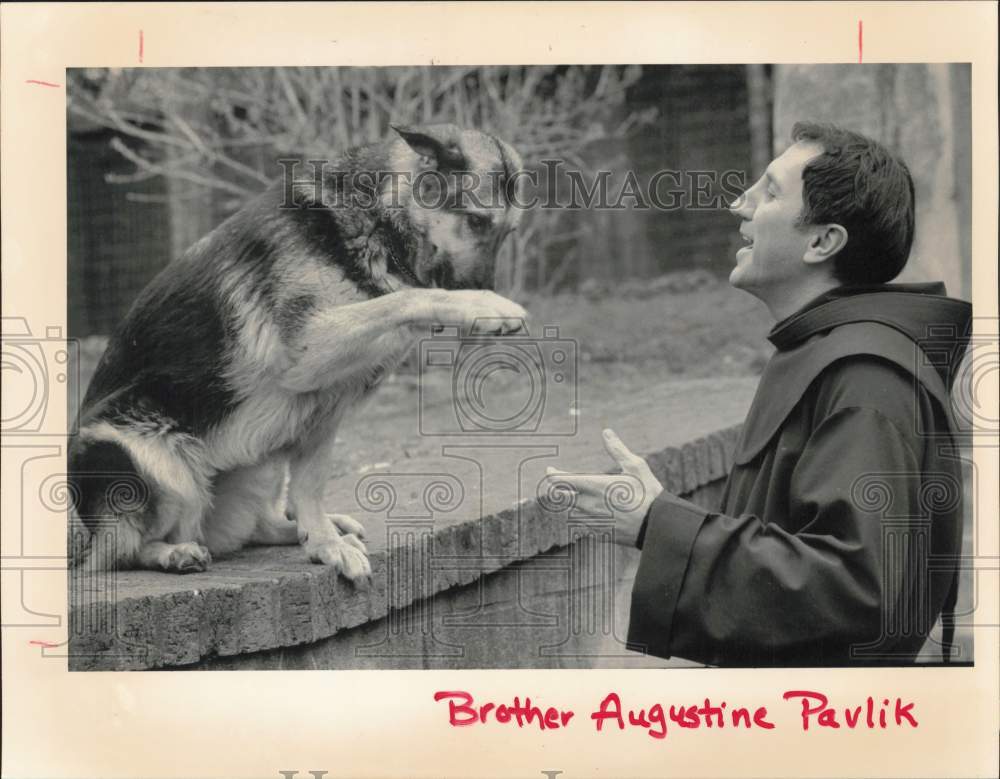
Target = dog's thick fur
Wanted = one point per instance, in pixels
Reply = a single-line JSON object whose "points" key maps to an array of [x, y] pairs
{"points": [[223, 388]]}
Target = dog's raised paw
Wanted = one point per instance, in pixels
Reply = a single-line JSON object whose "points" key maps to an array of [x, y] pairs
{"points": [[482, 312], [188, 557]]}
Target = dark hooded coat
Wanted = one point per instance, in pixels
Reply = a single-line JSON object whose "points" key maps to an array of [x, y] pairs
{"points": [[838, 537]]}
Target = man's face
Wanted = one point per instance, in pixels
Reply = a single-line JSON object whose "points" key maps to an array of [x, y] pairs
{"points": [[772, 258]]}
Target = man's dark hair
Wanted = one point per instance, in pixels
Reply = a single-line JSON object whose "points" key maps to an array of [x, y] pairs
{"points": [[862, 186]]}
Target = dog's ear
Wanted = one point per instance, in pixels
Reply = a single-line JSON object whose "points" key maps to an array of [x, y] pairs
{"points": [[435, 143]]}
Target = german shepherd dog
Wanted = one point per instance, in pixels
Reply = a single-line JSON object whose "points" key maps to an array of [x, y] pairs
{"points": [[223, 387]]}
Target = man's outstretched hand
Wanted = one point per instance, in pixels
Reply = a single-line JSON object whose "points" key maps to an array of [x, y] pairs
{"points": [[625, 496]]}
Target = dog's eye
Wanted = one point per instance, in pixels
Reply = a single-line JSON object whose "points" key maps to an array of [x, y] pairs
{"points": [[478, 222]]}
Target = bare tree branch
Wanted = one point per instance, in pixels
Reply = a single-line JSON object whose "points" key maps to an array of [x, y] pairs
{"points": [[222, 129]]}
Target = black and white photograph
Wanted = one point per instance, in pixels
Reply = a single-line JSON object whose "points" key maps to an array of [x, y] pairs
{"points": [[582, 366], [499, 390]]}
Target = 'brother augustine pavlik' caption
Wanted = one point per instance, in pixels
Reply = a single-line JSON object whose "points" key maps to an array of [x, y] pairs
{"points": [[814, 711]]}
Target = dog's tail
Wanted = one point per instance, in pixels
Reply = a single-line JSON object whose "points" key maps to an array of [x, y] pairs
{"points": [[107, 494]]}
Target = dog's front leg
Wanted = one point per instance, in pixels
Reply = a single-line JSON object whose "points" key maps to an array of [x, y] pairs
{"points": [[319, 533], [340, 348], [342, 344]]}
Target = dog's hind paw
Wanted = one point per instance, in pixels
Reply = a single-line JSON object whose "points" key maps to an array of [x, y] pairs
{"points": [[347, 555], [187, 558]]}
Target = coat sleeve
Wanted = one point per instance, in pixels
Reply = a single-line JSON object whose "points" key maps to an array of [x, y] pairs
{"points": [[740, 590]]}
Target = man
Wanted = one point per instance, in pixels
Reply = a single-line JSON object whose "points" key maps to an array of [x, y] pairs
{"points": [[838, 538]]}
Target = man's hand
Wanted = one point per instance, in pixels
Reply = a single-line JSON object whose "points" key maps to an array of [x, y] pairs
{"points": [[603, 495]]}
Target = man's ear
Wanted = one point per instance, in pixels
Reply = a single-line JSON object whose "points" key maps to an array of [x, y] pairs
{"points": [[824, 243], [435, 143]]}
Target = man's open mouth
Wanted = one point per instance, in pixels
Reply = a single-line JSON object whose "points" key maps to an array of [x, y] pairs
{"points": [[747, 240]]}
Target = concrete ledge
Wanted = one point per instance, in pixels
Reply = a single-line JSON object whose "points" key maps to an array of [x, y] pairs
{"points": [[271, 598]]}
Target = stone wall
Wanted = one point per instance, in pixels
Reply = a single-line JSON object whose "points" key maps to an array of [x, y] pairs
{"points": [[567, 607]]}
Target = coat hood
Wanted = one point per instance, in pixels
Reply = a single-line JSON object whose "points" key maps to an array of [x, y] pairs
{"points": [[922, 312], [914, 326]]}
